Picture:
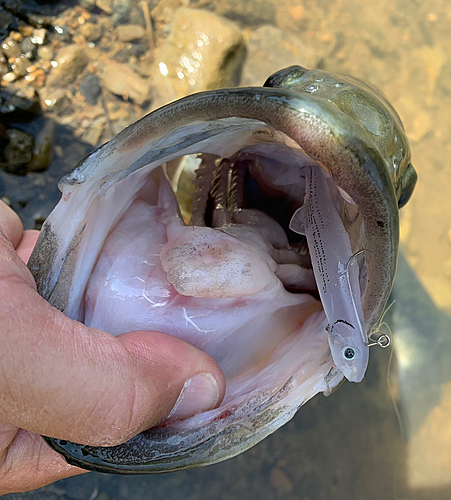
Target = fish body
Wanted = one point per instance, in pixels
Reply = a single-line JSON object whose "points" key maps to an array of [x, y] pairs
{"points": [[238, 283]]}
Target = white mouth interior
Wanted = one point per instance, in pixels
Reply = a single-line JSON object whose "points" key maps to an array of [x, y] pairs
{"points": [[236, 290]]}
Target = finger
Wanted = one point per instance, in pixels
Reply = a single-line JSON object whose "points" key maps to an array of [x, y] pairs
{"points": [[28, 463], [62, 379], [27, 244], [10, 224]]}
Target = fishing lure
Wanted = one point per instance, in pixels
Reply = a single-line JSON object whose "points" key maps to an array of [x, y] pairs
{"points": [[336, 272]]}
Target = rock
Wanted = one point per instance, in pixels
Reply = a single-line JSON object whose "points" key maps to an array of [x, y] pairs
{"points": [[94, 131], [121, 12], [270, 49], [88, 4], [14, 108], [137, 17], [43, 147], [39, 36], [37, 77], [45, 53], [138, 50], [105, 5], [249, 13], [9, 77], [92, 32], [27, 93], [130, 32], [10, 48], [122, 56], [90, 89], [26, 31], [164, 10], [4, 66], [57, 101], [70, 62], [29, 48], [63, 33], [20, 65], [203, 51], [124, 82], [18, 152]]}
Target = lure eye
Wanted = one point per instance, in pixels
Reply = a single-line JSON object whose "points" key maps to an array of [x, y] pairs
{"points": [[349, 353]]}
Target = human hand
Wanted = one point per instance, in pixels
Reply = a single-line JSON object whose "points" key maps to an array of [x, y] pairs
{"points": [[62, 379]]}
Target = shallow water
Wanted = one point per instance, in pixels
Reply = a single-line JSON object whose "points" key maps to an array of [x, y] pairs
{"points": [[389, 436]]}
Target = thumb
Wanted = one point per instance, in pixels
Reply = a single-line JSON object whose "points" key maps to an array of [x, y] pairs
{"points": [[62, 379]]}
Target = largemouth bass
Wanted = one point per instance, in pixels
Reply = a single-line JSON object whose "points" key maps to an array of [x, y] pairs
{"points": [[298, 187]]}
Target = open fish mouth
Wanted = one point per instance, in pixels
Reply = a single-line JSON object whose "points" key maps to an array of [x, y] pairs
{"points": [[280, 273]]}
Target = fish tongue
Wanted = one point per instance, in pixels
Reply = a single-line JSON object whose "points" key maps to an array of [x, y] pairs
{"points": [[207, 262]]}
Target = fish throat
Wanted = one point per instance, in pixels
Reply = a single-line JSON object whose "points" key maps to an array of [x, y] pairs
{"points": [[298, 211]]}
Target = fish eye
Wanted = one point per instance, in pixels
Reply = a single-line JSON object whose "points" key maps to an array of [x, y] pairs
{"points": [[349, 353]]}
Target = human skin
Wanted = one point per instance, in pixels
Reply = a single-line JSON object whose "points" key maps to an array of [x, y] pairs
{"points": [[62, 379]]}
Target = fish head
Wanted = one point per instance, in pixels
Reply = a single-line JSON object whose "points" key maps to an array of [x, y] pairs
{"points": [[235, 281]]}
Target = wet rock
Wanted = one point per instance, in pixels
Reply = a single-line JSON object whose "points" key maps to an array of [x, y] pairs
{"points": [[92, 32], [45, 53], [105, 5], [94, 132], [18, 152], [26, 31], [269, 49], [29, 48], [163, 12], [10, 48], [9, 77], [63, 33], [43, 147], [4, 66], [70, 62], [130, 32], [88, 4], [90, 89], [27, 93], [204, 51], [250, 12], [122, 81], [17, 109], [57, 101], [20, 65], [139, 49], [121, 12], [137, 17], [122, 56], [39, 36], [36, 77]]}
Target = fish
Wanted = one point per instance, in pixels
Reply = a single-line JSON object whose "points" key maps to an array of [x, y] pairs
{"points": [[282, 272]]}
